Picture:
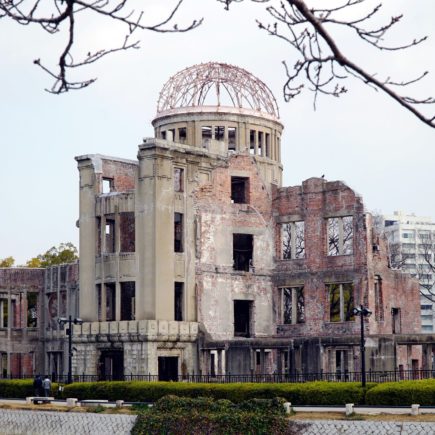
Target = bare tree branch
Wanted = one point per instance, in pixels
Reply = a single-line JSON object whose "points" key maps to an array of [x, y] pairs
{"points": [[321, 63], [27, 12]]}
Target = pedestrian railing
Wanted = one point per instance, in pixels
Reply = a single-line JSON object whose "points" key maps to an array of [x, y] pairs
{"points": [[371, 376]]}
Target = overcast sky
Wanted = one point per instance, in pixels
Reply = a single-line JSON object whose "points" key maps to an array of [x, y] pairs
{"points": [[363, 138]]}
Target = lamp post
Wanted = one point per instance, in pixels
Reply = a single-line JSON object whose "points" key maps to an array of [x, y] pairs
{"points": [[362, 312], [69, 332]]}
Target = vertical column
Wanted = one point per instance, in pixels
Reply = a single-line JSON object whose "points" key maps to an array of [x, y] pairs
{"points": [[88, 167], [155, 234]]}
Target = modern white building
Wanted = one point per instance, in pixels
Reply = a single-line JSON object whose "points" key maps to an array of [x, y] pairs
{"points": [[412, 249]]}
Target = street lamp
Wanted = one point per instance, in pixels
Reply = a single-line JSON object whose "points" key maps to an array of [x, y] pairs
{"points": [[362, 312], [62, 321]]}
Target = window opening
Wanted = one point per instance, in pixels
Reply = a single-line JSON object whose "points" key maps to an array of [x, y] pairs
{"points": [[341, 302], [178, 232], [395, 312], [111, 365], [242, 318], [212, 363], [206, 134], [293, 305], [232, 138], [110, 235], [127, 231], [110, 302], [128, 293], [379, 302], [108, 185], [260, 143], [182, 134], [170, 134], [340, 236], [242, 251], [163, 135], [293, 240], [168, 368], [32, 310], [252, 134], [99, 303], [239, 190], [4, 313], [219, 133], [178, 179], [178, 301]]}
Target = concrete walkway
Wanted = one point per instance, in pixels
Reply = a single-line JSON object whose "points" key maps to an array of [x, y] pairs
{"points": [[15, 422]]}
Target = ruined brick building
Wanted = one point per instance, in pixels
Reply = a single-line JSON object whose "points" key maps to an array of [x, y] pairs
{"points": [[195, 259]]}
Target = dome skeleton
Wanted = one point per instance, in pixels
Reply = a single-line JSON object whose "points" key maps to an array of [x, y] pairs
{"points": [[191, 86]]}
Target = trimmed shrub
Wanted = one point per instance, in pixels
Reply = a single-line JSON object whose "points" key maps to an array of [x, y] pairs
{"points": [[180, 415], [403, 393], [21, 388], [310, 393]]}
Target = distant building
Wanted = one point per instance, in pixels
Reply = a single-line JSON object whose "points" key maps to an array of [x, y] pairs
{"points": [[411, 242]]}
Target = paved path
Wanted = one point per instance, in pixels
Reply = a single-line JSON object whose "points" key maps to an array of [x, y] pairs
{"points": [[339, 427], [14, 422]]}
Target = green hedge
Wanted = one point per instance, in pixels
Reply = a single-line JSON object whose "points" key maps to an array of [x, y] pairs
{"points": [[180, 415], [403, 393], [310, 393], [20, 388]]}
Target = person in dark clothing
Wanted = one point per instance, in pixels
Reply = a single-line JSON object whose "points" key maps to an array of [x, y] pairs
{"points": [[37, 385]]}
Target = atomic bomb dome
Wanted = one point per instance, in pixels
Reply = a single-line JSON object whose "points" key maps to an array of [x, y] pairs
{"points": [[215, 86]]}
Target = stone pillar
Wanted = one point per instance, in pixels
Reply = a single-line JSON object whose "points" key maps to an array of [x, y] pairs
{"points": [[155, 234], [88, 167]]}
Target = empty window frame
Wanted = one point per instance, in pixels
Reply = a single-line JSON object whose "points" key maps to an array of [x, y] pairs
{"points": [[239, 190], [252, 141], [292, 305], [260, 143], [242, 318], [340, 235], [163, 135], [127, 231], [396, 320], [178, 180], [178, 301], [110, 235], [170, 135], [242, 251], [232, 141], [379, 301], [293, 240], [341, 302], [32, 310], [110, 302], [178, 232], [128, 298], [206, 135], [4, 312], [219, 133], [108, 185], [182, 135]]}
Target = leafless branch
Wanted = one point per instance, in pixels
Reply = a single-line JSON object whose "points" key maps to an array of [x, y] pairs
{"points": [[28, 12], [322, 65]]}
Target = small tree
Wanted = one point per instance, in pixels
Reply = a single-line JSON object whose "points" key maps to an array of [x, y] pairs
{"points": [[64, 253], [7, 262]]}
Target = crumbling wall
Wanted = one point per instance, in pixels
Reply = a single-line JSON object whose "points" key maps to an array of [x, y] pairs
{"points": [[218, 283]]}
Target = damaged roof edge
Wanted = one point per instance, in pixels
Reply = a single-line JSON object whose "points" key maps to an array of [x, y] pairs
{"points": [[97, 160]]}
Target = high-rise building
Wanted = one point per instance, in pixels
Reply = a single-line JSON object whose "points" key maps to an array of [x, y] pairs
{"points": [[411, 242]]}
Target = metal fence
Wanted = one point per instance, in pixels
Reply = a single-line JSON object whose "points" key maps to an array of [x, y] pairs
{"points": [[371, 376]]}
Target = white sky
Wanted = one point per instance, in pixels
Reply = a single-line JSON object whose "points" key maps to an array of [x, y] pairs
{"points": [[363, 138]]}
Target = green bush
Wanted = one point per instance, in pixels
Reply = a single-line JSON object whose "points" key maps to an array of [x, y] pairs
{"points": [[21, 388], [403, 393], [180, 415], [310, 393]]}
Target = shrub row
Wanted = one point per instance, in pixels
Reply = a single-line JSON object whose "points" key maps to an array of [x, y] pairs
{"points": [[175, 415], [20, 388], [312, 393], [403, 393]]}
